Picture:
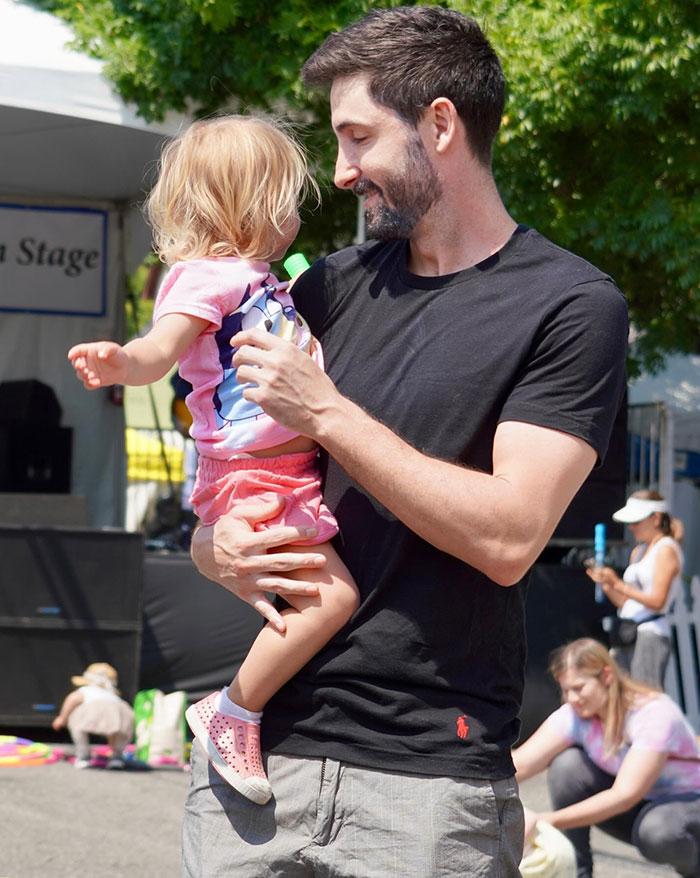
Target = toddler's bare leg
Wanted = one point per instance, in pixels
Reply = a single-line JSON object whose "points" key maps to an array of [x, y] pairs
{"points": [[274, 658], [82, 744]]}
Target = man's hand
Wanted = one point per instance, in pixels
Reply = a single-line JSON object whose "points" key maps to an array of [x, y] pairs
{"points": [[290, 387], [248, 564]]}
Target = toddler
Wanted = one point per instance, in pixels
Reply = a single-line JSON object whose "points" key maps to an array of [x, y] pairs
{"points": [[225, 205], [95, 708]]}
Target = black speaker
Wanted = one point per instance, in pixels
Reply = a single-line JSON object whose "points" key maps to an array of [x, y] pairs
{"points": [[39, 662], [35, 460], [29, 402], [68, 597], [602, 493]]}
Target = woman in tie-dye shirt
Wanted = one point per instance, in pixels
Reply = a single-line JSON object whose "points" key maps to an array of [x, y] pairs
{"points": [[621, 756]]}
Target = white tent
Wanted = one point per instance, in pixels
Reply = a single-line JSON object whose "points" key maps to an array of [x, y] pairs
{"points": [[73, 165]]}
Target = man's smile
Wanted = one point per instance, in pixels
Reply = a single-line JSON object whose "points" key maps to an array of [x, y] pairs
{"points": [[365, 187]]}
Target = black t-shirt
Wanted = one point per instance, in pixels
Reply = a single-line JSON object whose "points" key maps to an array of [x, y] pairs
{"points": [[427, 676]]}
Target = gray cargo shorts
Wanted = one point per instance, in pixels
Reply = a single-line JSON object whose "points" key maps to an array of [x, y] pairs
{"points": [[334, 820]]}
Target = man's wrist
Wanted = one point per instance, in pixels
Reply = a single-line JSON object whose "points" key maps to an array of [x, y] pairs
{"points": [[334, 420]]}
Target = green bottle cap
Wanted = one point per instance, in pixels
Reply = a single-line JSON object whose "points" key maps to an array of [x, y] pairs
{"points": [[295, 264]]}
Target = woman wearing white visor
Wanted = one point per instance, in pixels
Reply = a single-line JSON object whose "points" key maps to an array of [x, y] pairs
{"points": [[647, 588]]}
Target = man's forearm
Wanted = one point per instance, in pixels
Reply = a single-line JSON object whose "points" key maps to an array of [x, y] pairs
{"points": [[459, 511], [480, 518]]}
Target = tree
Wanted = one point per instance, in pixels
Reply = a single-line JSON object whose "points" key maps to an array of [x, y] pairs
{"points": [[600, 143], [600, 146]]}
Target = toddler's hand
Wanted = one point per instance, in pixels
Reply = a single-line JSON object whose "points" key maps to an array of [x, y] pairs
{"points": [[99, 363]]}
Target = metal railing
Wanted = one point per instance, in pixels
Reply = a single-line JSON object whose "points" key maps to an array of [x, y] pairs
{"points": [[650, 448], [682, 681]]}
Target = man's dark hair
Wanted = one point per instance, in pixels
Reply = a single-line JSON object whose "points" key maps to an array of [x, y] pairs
{"points": [[413, 55]]}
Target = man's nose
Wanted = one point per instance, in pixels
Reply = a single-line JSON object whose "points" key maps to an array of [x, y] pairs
{"points": [[347, 172]]}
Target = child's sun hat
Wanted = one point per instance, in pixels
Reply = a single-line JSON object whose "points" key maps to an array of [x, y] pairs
{"points": [[97, 674]]}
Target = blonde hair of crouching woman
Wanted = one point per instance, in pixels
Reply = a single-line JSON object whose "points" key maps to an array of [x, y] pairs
{"points": [[620, 755]]}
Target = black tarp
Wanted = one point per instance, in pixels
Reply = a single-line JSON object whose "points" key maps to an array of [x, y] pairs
{"points": [[560, 607], [195, 633]]}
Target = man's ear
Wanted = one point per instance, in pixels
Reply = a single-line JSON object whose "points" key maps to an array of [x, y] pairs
{"points": [[443, 123]]}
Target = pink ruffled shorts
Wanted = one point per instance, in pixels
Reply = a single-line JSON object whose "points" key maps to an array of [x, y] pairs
{"points": [[221, 485]]}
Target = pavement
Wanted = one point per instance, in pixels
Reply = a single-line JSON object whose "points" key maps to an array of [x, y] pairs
{"points": [[57, 822]]}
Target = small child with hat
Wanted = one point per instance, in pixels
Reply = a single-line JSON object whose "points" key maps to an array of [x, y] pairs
{"points": [[96, 708]]}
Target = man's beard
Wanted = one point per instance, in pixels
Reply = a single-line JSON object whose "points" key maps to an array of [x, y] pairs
{"points": [[412, 192]]}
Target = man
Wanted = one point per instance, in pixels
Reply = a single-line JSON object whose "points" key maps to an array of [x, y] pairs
{"points": [[474, 371]]}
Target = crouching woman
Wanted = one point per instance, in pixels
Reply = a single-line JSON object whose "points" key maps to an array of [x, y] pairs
{"points": [[621, 756]]}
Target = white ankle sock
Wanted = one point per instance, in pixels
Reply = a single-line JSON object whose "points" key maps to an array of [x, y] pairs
{"points": [[229, 708]]}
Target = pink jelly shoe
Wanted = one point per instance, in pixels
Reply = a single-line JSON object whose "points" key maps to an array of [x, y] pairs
{"points": [[233, 748]]}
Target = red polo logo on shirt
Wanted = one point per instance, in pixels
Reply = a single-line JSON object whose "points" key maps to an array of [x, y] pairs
{"points": [[462, 727]]}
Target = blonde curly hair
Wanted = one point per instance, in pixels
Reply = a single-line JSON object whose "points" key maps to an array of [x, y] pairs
{"points": [[229, 186]]}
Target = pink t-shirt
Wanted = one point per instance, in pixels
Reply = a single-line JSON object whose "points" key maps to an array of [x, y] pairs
{"points": [[232, 294], [657, 724]]}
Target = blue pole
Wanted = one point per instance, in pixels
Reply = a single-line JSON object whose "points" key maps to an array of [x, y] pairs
{"points": [[599, 551]]}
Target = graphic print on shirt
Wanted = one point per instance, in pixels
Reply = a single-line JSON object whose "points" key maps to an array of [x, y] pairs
{"points": [[462, 727], [263, 309]]}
